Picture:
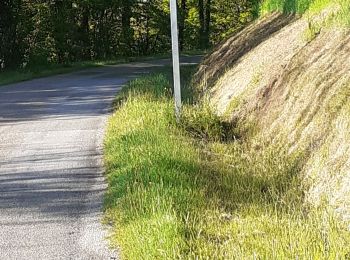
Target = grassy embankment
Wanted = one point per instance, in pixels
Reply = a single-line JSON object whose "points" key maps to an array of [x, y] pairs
{"points": [[339, 12], [202, 189], [199, 189], [310, 8]]}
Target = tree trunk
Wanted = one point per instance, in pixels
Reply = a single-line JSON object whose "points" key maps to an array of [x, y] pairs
{"points": [[126, 28], [204, 9], [201, 23], [85, 38], [10, 53], [206, 37], [183, 16]]}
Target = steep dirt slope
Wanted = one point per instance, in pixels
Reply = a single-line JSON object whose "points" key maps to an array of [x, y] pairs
{"points": [[287, 86], [226, 54]]}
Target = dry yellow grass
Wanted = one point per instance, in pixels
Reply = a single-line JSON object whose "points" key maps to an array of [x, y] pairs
{"points": [[297, 87]]}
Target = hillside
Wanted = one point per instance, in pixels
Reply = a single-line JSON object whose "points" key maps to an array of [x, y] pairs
{"points": [[257, 166], [286, 79]]}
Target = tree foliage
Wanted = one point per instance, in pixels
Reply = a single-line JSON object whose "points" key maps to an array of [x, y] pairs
{"points": [[39, 32]]}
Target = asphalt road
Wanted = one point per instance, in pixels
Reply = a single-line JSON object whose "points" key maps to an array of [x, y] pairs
{"points": [[51, 173]]}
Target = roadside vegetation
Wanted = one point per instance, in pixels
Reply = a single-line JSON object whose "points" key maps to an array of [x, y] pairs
{"points": [[339, 16], [203, 188], [40, 33], [39, 71], [12, 76]]}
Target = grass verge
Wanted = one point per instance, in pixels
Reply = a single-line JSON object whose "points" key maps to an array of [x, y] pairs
{"points": [[13, 76], [191, 190]]}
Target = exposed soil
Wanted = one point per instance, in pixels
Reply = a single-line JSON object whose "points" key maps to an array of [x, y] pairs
{"points": [[227, 53], [271, 76]]}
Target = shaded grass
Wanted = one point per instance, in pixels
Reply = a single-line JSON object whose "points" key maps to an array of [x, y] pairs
{"points": [[39, 71], [13, 76], [181, 191]]}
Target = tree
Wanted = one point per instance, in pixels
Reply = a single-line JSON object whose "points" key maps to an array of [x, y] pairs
{"points": [[10, 49], [182, 23], [40, 32], [204, 9], [127, 31]]}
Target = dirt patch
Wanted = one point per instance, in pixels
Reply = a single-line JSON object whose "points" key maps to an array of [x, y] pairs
{"points": [[255, 70], [309, 103], [228, 52]]}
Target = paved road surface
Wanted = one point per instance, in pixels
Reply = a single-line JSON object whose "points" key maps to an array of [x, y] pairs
{"points": [[51, 181]]}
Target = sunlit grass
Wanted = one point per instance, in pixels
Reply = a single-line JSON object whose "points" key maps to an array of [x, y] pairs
{"points": [[286, 6], [194, 191], [310, 7]]}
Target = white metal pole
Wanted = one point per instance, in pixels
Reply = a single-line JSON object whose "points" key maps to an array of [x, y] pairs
{"points": [[176, 57]]}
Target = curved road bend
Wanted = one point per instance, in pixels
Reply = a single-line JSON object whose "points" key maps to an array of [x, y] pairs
{"points": [[51, 176]]}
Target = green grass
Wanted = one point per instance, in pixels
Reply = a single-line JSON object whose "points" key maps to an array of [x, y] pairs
{"points": [[192, 190], [286, 6], [310, 7], [13, 76]]}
